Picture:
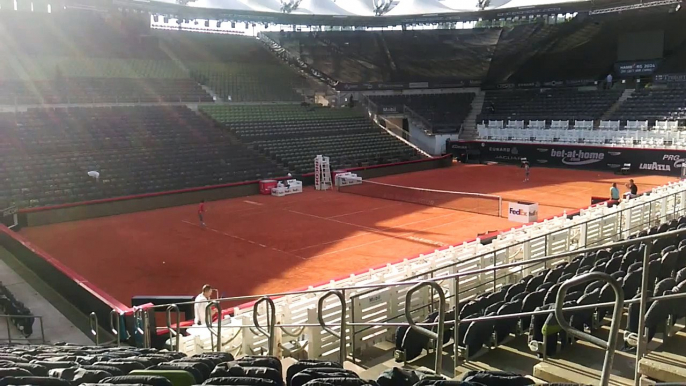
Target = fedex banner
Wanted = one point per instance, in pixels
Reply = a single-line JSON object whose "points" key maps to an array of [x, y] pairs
{"points": [[649, 161]]}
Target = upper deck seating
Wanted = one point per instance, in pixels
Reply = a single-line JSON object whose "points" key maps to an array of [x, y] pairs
{"points": [[238, 67], [48, 60], [364, 56]]}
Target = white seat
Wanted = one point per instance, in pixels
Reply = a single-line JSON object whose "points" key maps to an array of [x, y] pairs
{"points": [[609, 125], [637, 125], [495, 124], [583, 125], [515, 124], [537, 124], [560, 124]]}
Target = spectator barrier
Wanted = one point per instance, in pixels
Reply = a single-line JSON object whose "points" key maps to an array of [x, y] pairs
{"points": [[377, 299]]}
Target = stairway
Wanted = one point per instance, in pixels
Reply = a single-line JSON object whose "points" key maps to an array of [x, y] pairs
{"points": [[469, 131], [625, 95], [185, 69]]}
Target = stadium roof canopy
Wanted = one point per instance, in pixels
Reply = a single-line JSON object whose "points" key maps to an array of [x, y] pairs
{"points": [[362, 7], [359, 12]]}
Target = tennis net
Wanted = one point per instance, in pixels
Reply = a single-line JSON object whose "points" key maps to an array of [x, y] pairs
{"points": [[462, 201]]}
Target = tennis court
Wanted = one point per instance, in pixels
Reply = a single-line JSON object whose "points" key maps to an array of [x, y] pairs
{"points": [[264, 244]]}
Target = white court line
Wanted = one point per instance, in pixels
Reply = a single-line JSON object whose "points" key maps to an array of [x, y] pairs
{"points": [[243, 240], [380, 231], [400, 236], [252, 203], [367, 210], [370, 229]]}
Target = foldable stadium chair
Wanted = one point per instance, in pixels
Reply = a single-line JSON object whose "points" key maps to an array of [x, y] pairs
{"points": [[176, 377]]}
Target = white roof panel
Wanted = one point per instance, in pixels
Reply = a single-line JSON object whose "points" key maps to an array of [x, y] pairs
{"points": [[366, 7]]}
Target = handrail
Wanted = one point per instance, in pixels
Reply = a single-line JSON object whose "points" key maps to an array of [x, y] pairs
{"points": [[208, 324], [172, 332], [114, 316], [219, 325], [642, 309], [271, 322], [611, 342], [517, 315], [418, 116], [320, 316], [93, 319], [140, 317], [438, 335]]}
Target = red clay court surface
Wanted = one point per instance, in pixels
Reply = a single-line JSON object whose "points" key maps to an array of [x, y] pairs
{"points": [[264, 244]]}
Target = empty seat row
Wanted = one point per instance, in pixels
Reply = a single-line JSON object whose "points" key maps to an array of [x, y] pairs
{"points": [[67, 365], [443, 112], [667, 275], [135, 150], [293, 135], [547, 104]]}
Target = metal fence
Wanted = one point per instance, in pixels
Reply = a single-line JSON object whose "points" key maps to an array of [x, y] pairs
{"points": [[335, 314]]}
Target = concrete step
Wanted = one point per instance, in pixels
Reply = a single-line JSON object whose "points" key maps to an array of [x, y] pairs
{"points": [[563, 371], [513, 356], [663, 367], [582, 363], [668, 364], [625, 95]]}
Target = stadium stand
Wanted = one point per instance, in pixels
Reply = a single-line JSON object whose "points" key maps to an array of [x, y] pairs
{"points": [[651, 104], [444, 113], [136, 150], [293, 135], [547, 104], [238, 67], [560, 56], [9, 305], [355, 56], [117, 63], [536, 52]]}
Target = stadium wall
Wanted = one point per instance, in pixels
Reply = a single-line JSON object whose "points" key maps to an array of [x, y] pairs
{"points": [[129, 204], [602, 158], [82, 294]]}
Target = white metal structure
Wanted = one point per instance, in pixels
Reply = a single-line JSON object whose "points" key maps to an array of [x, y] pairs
{"points": [[322, 173], [377, 307]]}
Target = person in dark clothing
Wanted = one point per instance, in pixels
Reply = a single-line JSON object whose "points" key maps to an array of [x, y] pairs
{"points": [[633, 189]]}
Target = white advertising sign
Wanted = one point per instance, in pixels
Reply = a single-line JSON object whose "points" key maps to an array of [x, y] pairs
{"points": [[524, 212]]}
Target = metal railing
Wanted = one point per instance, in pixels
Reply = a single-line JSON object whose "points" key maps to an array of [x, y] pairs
{"points": [[433, 283], [416, 116], [18, 340]]}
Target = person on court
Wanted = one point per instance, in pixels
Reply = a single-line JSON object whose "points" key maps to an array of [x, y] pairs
{"points": [[200, 306], [614, 192], [526, 172], [201, 213], [633, 189]]}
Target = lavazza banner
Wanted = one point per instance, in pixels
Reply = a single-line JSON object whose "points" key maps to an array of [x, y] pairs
{"points": [[650, 161]]}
